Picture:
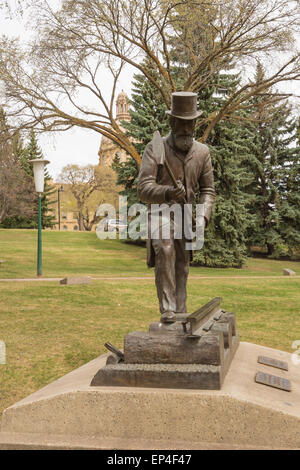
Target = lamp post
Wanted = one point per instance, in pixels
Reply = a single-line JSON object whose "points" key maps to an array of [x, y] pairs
{"points": [[39, 180], [60, 190]]}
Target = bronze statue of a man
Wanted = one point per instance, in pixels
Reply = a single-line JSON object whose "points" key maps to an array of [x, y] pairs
{"points": [[190, 164]]}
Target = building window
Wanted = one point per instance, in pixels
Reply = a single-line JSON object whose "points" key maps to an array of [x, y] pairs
{"points": [[65, 227], [75, 227], [64, 215]]}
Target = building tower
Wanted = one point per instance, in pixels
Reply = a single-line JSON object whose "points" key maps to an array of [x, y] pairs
{"points": [[122, 106], [108, 149]]}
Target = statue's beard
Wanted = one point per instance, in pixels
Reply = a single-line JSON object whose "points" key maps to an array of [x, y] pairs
{"points": [[183, 142]]}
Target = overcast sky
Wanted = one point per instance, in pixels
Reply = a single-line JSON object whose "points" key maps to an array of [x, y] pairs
{"points": [[80, 146]]}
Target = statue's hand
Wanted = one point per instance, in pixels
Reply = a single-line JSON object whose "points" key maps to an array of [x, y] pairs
{"points": [[176, 194]]}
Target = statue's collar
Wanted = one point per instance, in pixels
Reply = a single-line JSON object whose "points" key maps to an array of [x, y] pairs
{"points": [[170, 142]]}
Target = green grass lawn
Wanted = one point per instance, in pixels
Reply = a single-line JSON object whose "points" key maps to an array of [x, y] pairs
{"points": [[82, 253], [50, 329]]}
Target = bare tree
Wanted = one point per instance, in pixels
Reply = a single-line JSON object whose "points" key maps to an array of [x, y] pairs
{"points": [[17, 194], [90, 186], [44, 82]]}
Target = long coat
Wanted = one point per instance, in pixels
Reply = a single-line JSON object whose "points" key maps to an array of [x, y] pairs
{"points": [[194, 171]]}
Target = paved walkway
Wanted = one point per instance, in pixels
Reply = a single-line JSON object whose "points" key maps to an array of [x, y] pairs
{"points": [[145, 278]]}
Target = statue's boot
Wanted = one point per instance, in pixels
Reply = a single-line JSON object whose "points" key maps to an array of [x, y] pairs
{"points": [[168, 317]]}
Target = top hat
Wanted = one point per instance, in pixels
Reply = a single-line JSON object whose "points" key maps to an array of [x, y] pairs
{"points": [[184, 105]]}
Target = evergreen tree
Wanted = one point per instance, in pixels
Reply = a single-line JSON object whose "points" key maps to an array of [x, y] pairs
{"points": [[230, 144], [147, 112], [127, 176], [289, 192], [276, 176]]}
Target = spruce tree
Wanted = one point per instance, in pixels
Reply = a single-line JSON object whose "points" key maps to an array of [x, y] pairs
{"points": [[147, 111], [127, 176], [289, 192], [230, 144], [276, 176]]}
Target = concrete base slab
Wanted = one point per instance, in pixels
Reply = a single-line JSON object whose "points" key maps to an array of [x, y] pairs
{"points": [[13, 441], [69, 413]]}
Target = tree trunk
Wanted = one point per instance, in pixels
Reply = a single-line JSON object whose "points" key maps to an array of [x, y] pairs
{"points": [[80, 221], [270, 248]]}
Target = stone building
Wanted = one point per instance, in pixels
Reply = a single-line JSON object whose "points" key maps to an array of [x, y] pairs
{"points": [[108, 149]]}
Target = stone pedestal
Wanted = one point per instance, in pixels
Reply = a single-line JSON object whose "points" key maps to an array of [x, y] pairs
{"points": [[70, 414], [193, 352]]}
